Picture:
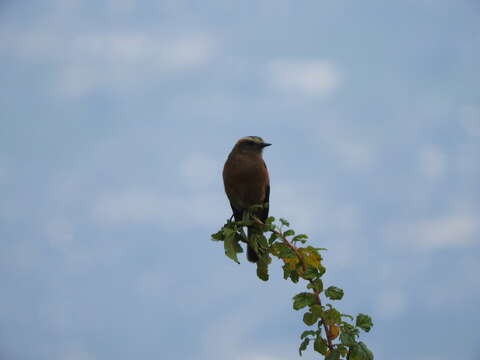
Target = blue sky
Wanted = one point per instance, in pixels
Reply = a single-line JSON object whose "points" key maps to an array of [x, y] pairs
{"points": [[117, 117]]}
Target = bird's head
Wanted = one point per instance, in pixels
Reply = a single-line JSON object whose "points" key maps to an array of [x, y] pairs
{"points": [[250, 145]]}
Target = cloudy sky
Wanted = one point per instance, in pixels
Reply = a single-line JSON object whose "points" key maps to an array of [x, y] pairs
{"points": [[116, 118]]}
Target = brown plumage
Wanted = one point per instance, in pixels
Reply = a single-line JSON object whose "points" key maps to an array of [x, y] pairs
{"points": [[246, 181]]}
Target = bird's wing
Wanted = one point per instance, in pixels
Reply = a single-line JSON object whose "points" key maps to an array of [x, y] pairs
{"points": [[264, 214], [237, 213]]}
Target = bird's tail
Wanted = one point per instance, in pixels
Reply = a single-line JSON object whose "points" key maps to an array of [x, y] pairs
{"points": [[252, 255]]}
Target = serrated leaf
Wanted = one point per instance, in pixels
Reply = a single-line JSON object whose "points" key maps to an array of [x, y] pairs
{"points": [[366, 350], [317, 310], [334, 293], [230, 246], [289, 233], [310, 273], [291, 262], [309, 318], [269, 220], [320, 345], [360, 352], [343, 350], [321, 270], [284, 222], [334, 355], [301, 237], [262, 267], [364, 322], [303, 345], [306, 333], [218, 236], [282, 251], [303, 299], [272, 238], [310, 256], [294, 276], [347, 339], [331, 316], [262, 241], [316, 285]]}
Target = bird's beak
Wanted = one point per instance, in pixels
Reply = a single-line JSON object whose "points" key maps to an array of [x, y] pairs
{"points": [[265, 145]]}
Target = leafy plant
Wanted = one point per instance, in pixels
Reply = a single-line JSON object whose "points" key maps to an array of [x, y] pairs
{"points": [[333, 334]]}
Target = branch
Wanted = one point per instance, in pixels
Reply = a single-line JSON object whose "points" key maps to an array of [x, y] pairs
{"points": [[305, 263], [304, 266]]}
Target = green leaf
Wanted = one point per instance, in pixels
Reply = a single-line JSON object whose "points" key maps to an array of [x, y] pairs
{"points": [[332, 316], [320, 345], [334, 355], [284, 222], [310, 273], [316, 285], [230, 245], [269, 220], [360, 352], [303, 345], [301, 237], [303, 299], [282, 251], [307, 333], [347, 338], [262, 267], [343, 350], [272, 238], [334, 293], [366, 350], [317, 310], [289, 233], [321, 270], [262, 241], [218, 236], [309, 318], [364, 322]]}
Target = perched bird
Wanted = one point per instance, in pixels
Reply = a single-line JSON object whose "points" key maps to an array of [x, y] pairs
{"points": [[246, 181]]}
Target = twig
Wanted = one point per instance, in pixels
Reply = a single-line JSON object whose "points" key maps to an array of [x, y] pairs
{"points": [[302, 262]]}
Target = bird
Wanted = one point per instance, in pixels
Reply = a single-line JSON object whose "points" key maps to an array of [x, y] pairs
{"points": [[246, 181]]}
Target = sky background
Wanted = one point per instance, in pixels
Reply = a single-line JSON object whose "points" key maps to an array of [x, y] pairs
{"points": [[116, 118]]}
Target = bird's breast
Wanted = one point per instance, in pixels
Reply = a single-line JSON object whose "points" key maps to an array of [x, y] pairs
{"points": [[245, 181]]}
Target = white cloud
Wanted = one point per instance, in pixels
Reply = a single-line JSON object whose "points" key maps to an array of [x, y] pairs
{"points": [[131, 206], [453, 230], [470, 120], [352, 149], [309, 77], [353, 153], [259, 357], [198, 170], [229, 337], [154, 283], [59, 232], [329, 223], [122, 6], [78, 353], [432, 162], [392, 303], [118, 60], [128, 206]]}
